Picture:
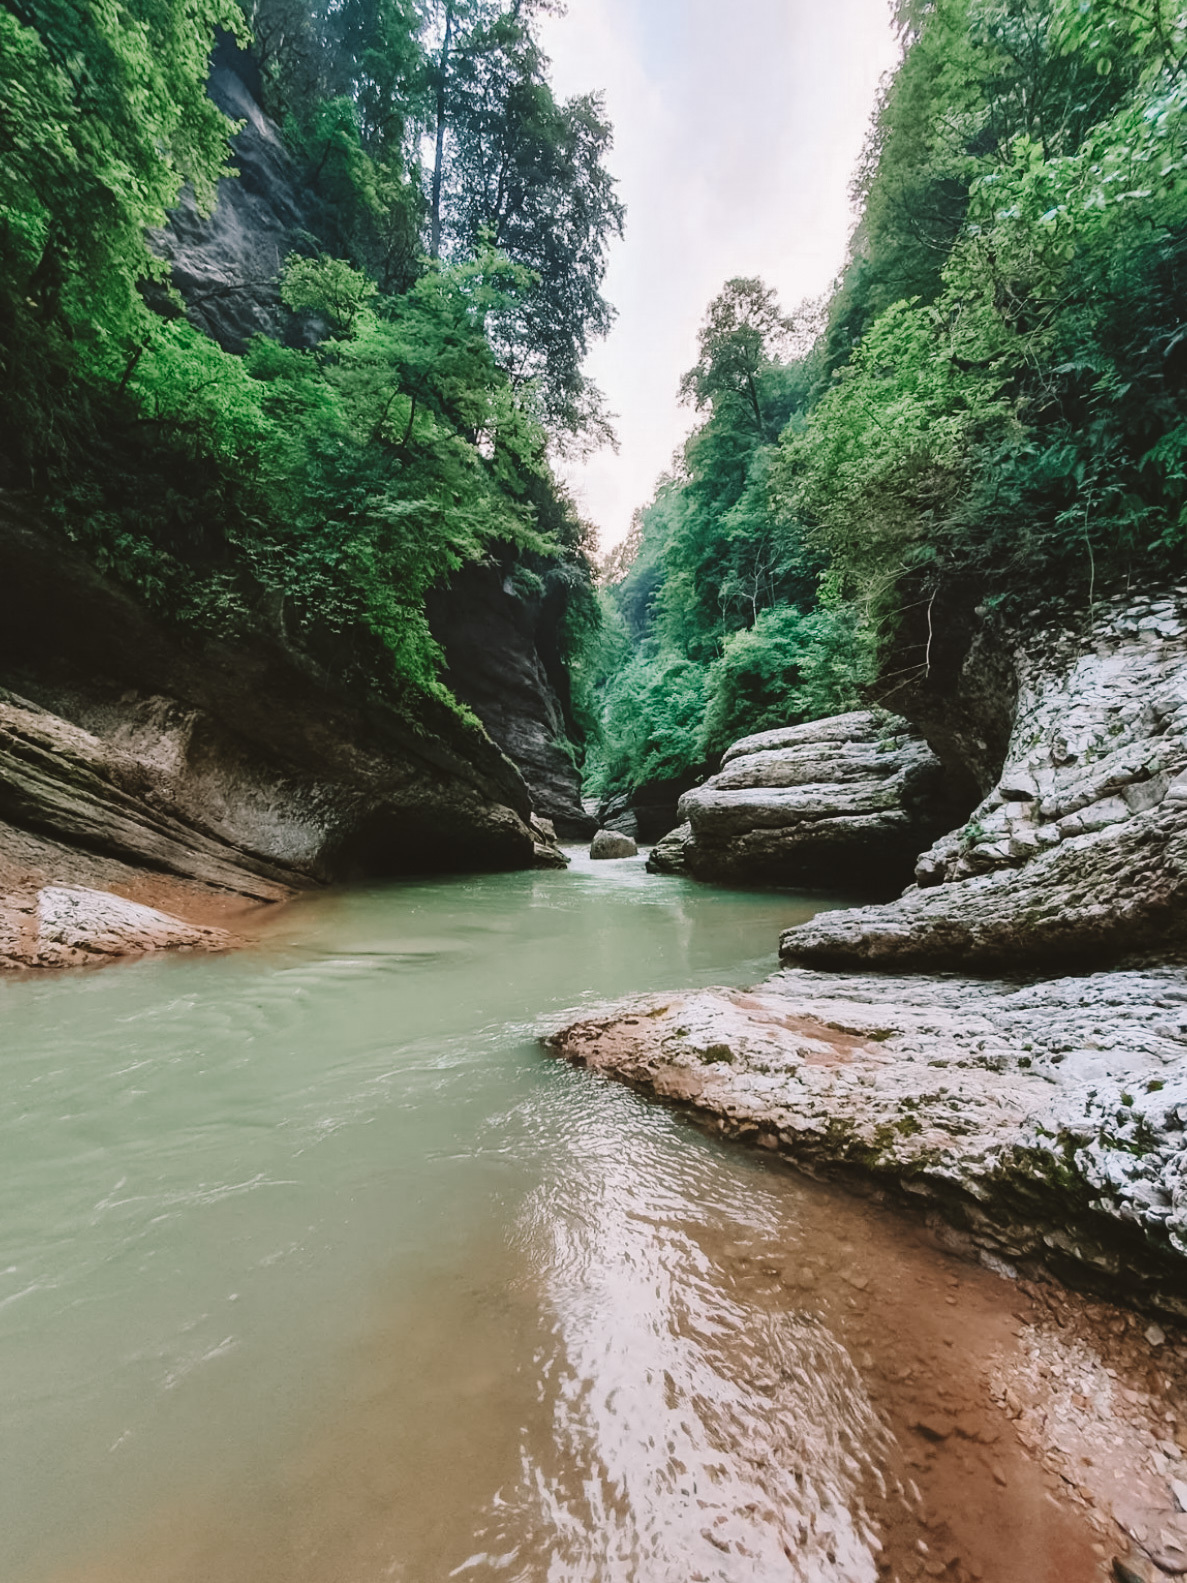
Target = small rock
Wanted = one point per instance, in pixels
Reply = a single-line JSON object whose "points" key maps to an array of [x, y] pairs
{"points": [[934, 1427], [1179, 1491], [1155, 1335]]}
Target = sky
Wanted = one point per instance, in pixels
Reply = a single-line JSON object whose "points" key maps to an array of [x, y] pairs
{"points": [[738, 125]]}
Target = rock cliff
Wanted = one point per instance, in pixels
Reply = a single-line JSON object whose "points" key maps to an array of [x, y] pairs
{"points": [[1079, 851], [129, 749], [845, 802], [227, 264], [499, 644]]}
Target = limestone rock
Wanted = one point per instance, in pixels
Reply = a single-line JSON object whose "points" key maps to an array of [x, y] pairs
{"points": [[69, 926], [1080, 850], [609, 843], [502, 653], [668, 856], [843, 802], [238, 764], [649, 811], [1048, 1121]]}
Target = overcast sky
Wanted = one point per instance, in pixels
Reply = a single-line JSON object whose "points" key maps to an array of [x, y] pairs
{"points": [[737, 128]]}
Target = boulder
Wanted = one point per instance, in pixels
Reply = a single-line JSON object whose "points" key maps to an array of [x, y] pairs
{"points": [[610, 843], [845, 803], [1079, 852], [668, 856], [70, 926]]}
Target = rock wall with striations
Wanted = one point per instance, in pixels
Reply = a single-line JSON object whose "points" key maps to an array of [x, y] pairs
{"points": [[131, 749], [498, 643], [846, 803], [1079, 852]]}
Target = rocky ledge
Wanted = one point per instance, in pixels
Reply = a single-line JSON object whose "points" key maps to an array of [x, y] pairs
{"points": [[846, 802], [1079, 852], [201, 775], [70, 926], [1046, 1122]]}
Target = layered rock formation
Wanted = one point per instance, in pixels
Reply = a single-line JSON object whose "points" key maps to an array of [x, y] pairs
{"points": [[845, 803], [649, 811], [1079, 852], [231, 769], [1047, 1123]]}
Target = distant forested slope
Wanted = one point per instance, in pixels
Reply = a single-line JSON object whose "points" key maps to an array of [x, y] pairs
{"points": [[993, 398]]}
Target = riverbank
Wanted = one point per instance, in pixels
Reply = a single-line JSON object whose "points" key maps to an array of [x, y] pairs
{"points": [[1039, 1128]]}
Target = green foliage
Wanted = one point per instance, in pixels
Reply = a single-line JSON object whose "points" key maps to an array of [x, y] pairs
{"points": [[321, 493], [717, 592], [786, 668], [327, 287], [1019, 414], [651, 711], [525, 173]]}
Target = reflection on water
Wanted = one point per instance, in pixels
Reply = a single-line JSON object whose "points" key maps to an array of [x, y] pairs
{"points": [[314, 1267]]}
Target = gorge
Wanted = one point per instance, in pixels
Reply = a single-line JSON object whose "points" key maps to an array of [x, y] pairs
{"points": [[842, 808]]}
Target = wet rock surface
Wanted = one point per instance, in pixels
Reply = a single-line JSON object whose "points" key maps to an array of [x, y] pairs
{"points": [[844, 801], [69, 926], [1046, 1122], [1080, 849]]}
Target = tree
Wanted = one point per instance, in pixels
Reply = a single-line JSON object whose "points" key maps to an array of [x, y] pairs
{"points": [[521, 172], [743, 332]]}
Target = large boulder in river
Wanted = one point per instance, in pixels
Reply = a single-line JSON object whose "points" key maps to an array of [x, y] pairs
{"points": [[846, 802], [610, 843], [1079, 852]]}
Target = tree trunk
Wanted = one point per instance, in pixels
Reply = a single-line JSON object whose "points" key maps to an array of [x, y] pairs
{"points": [[439, 160]]}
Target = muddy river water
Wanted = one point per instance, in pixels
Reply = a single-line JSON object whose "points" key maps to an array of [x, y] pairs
{"points": [[316, 1268]]}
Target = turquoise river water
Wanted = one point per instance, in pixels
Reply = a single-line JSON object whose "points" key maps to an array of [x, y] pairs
{"points": [[315, 1266]]}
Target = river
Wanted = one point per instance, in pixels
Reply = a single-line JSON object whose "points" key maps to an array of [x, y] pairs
{"points": [[316, 1268]]}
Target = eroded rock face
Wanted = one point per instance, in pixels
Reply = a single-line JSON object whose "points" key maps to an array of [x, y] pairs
{"points": [[497, 645], [668, 856], [227, 264], [70, 926], [1047, 1122], [844, 802], [128, 748], [1080, 850]]}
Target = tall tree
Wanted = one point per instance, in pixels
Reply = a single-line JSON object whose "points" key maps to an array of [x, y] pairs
{"points": [[743, 332], [520, 171]]}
